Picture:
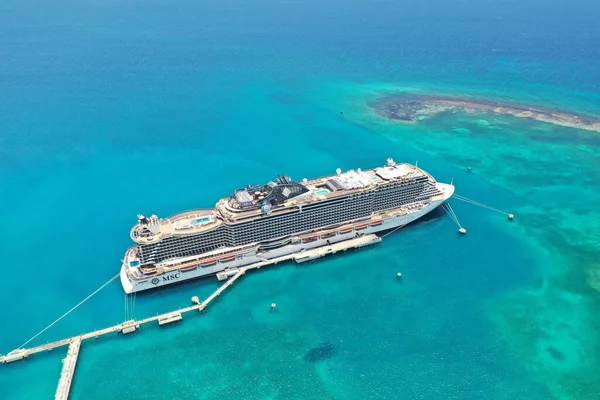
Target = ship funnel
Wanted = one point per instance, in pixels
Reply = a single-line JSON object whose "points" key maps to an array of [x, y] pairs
{"points": [[390, 162]]}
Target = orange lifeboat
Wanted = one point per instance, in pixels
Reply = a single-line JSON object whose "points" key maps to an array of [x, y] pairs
{"points": [[188, 267], [309, 239]]}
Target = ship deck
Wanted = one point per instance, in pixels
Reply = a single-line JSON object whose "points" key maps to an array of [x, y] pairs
{"points": [[186, 223]]}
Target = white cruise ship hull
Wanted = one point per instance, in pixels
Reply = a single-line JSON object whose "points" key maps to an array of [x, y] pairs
{"points": [[176, 275]]}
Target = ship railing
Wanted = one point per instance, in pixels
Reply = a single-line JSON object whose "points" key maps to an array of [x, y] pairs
{"points": [[199, 212]]}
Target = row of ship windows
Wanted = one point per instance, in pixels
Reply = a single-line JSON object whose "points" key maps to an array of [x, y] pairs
{"points": [[409, 196], [404, 198], [298, 226], [309, 218], [282, 227], [261, 225], [261, 233], [186, 241], [218, 237], [265, 232]]}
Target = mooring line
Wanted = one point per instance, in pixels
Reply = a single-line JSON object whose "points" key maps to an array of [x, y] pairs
{"points": [[476, 203], [68, 312], [448, 209]]}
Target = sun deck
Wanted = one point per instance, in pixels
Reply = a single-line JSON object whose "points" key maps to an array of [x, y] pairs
{"points": [[321, 189], [185, 223]]}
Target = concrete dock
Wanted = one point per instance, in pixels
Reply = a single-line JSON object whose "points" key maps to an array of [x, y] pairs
{"points": [[68, 370], [130, 326]]}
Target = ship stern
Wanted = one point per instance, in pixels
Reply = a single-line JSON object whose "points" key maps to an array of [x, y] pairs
{"points": [[125, 281]]}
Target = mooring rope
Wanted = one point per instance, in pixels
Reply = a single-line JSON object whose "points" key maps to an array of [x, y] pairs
{"points": [[476, 203], [71, 310], [448, 209], [392, 231]]}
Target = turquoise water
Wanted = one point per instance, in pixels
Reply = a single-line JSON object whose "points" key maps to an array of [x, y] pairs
{"points": [[107, 110]]}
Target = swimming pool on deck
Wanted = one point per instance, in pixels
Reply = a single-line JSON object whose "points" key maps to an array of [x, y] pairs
{"points": [[202, 220]]}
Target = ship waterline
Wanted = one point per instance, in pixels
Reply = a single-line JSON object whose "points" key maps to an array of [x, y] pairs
{"points": [[259, 223]]}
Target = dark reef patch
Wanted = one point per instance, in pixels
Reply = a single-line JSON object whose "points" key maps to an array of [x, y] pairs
{"points": [[555, 353], [410, 107], [322, 352]]}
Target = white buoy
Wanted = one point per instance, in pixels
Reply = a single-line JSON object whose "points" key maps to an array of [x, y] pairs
{"points": [[195, 300], [469, 168], [462, 230], [273, 305], [510, 217], [399, 275]]}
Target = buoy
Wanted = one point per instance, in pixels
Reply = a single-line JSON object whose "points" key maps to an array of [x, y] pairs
{"points": [[273, 305], [469, 168], [462, 230], [341, 111], [195, 300], [399, 275], [510, 217]]}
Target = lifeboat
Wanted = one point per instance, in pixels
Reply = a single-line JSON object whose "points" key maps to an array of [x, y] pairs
{"points": [[345, 230], [151, 272], [188, 267], [227, 258], [377, 223], [208, 263], [361, 226], [309, 239], [327, 235]]}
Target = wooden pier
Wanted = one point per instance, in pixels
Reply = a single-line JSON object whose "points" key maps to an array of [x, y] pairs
{"points": [[126, 327]]}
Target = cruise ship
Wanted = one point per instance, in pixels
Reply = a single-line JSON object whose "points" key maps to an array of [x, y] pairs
{"points": [[281, 217]]}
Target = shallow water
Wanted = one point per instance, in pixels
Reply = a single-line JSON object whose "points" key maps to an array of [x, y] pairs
{"points": [[110, 109]]}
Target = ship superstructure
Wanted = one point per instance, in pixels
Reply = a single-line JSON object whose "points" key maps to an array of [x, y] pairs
{"points": [[264, 221]]}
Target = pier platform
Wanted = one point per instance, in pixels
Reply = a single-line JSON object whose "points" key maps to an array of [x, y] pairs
{"points": [[68, 370]]}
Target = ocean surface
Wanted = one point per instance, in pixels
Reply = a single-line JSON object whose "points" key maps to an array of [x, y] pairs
{"points": [[113, 108]]}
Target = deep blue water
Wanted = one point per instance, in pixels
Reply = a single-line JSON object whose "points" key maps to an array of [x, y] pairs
{"points": [[109, 109]]}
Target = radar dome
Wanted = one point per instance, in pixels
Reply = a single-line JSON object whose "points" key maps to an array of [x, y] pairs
{"points": [[338, 171]]}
